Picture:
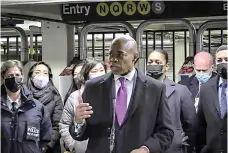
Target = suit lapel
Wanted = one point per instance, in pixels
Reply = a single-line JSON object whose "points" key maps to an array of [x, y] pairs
{"points": [[194, 86], [137, 92], [170, 87], [106, 88], [214, 85]]}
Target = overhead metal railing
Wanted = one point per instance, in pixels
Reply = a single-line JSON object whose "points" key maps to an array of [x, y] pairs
{"points": [[141, 64], [84, 31], [221, 23], [24, 43]]}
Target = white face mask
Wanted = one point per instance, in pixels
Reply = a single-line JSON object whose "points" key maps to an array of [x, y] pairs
{"points": [[40, 81], [91, 76]]}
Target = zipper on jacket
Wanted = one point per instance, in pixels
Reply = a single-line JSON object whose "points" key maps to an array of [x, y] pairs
{"points": [[13, 132]]}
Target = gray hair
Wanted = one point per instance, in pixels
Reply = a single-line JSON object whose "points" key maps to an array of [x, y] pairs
{"points": [[221, 48], [9, 64]]}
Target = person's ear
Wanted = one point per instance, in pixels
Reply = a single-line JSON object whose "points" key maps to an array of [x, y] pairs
{"points": [[135, 57], [212, 68], [167, 67]]}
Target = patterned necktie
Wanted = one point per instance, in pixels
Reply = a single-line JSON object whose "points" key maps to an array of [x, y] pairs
{"points": [[13, 106], [223, 104], [121, 101]]}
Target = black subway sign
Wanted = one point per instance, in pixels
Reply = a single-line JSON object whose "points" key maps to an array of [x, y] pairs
{"points": [[141, 10]]}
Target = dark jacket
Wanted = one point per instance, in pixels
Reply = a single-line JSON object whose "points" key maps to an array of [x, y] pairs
{"points": [[147, 121], [193, 84], [51, 99], [211, 129], [19, 130], [183, 115]]}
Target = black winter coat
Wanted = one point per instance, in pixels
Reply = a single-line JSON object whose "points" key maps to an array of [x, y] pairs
{"points": [[51, 99], [28, 129]]}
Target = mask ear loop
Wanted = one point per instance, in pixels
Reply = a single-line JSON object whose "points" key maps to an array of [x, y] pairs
{"points": [[136, 59]]}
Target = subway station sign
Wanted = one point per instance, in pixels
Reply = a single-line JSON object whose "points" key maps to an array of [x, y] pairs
{"points": [[141, 10]]}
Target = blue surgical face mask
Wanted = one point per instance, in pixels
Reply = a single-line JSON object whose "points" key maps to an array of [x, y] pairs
{"points": [[203, 77]]}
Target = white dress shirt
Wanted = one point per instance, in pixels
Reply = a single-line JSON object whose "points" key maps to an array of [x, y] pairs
{"points": [[129, 83], [10, 101], [197, 98]]}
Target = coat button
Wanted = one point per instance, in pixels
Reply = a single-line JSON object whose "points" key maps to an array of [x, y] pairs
{"points": [[221, 151], [11, 126], [221, 132]]}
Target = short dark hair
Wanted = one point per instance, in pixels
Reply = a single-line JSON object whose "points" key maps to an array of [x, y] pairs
{"points": [[73, 86], [163, 52], [89, 64], [76, 65], [223, 47], [31, 70]]}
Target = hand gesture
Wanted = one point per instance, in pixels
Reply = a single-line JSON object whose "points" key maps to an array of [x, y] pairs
{"points": [[83, 110]]}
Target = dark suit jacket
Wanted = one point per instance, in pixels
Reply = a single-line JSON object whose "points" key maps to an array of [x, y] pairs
{"points": [[211, 129], [183, 115], [147, 121], [193, 84]]}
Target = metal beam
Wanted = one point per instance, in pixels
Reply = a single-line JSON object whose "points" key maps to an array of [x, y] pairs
{"points": [[92, 25], [24, 43], [192, 34], [212, 23]]}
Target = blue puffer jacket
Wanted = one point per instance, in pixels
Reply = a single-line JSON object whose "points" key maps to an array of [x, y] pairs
{"points": [[28, 129]]}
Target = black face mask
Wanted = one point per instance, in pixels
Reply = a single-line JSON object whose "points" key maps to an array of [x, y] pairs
{"points": [[154, 71], [13, 84], [222, 70]]}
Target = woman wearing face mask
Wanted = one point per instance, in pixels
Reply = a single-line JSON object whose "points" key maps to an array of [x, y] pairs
{"points": [[25, 125], [90, 70], [41, 85], [180, 102], [75, 71]]}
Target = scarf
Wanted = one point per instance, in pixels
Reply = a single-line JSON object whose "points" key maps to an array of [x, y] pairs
{"points": [[44, 95]]}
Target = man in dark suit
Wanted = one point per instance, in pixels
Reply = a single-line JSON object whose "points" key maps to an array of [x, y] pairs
{"points": [[203, 65], [130, 109], [212, 112], [180, 102]]}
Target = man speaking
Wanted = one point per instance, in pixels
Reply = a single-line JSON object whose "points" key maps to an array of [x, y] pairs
{"points": [[124, 111]]}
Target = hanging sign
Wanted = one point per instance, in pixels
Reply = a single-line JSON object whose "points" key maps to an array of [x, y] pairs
{"points": [[141, 10]]}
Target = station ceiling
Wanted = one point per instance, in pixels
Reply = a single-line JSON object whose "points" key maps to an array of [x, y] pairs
{"points": [[23, 2]]}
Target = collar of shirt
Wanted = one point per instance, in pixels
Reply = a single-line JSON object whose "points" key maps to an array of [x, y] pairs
{"points": [[9, 102], [129, 76], [220, 82]]}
